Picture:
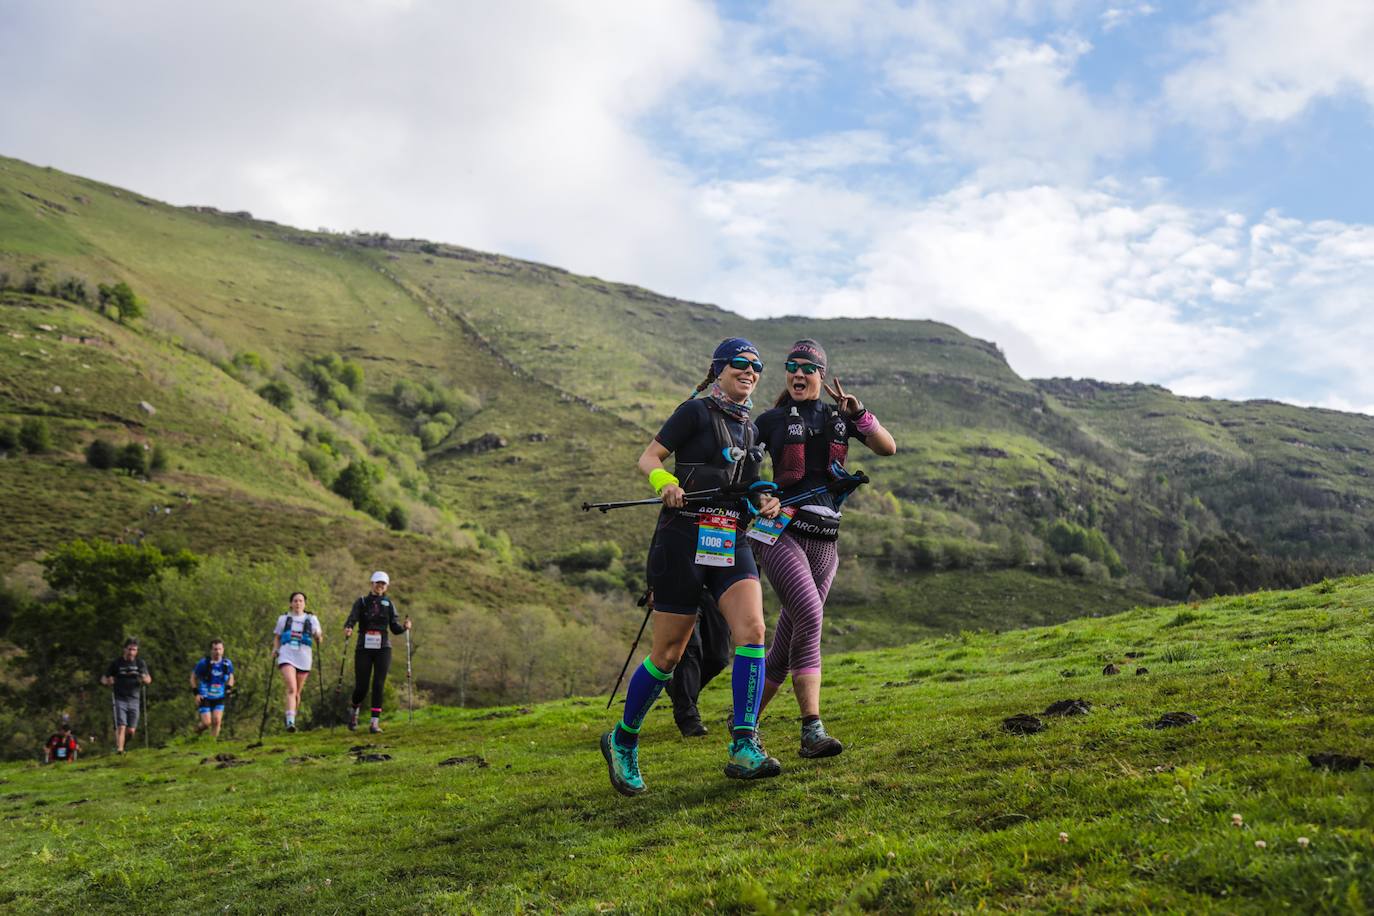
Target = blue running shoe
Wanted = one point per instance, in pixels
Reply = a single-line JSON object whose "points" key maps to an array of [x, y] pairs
{"points": [[748, 760], [623, 763]]}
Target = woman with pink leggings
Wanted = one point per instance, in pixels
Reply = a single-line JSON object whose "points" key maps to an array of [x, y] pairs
{"points": [[805, 436]]}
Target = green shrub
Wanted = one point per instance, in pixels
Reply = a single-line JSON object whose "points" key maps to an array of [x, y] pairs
{"points": [[351, 374], [247, 359], [101, 454], [34, 435], [157, 461], [357, 483], [278, 394], [9, 436], [397, 518], [589, 555], [321, 463], [134, 459], [431, 434], [1075, 564], [121, 298]]}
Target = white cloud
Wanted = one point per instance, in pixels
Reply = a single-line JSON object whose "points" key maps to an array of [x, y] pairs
{"points": [[1115, 17], [829, 152], [1074, 282], [504, 126], [1022, 118], [1268, 60]]}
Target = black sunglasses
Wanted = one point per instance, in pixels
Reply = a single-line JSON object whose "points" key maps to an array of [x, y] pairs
{"points": [[743, 362], [806, 368]]}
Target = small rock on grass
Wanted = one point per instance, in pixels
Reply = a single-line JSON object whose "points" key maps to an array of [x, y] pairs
{"points": [[1337, 763], [1140, 671], [1023, 724], [373, 758], [1068, 708], [1174, 720], [1111, 669], [476, 759]]}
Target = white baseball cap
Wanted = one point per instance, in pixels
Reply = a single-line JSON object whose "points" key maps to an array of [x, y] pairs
{"points": [[380, 576]]}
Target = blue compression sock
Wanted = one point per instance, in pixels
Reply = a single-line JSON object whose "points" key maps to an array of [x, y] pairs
{"points": [[746, 683], [645, 686]]}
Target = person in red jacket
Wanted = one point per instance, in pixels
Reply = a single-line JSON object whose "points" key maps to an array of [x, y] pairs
{"points": [[61, 747]]}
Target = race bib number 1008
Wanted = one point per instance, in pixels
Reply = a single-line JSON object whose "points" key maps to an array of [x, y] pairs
{"points": [[768, 530], [715, 540]]}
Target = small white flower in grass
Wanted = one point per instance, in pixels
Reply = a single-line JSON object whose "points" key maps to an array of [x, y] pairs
{"points": [[1237, 820], [328, 882], [1063, 837], [891, 855], [1260, 844], [1303, 841]]}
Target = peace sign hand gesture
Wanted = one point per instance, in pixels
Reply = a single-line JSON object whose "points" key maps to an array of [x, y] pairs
{"points": [[849, 406]]}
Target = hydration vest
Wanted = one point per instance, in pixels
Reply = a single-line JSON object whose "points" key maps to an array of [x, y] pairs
{"points": [[307, 632], [376, 615], [731, 466], [833, 428], [208, 684]]}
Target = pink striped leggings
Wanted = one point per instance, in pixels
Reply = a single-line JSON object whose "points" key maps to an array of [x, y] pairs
{"points": [[800, 570]]}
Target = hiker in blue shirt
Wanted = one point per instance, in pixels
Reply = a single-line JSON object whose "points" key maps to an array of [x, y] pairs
{"points": [[212, 679]]}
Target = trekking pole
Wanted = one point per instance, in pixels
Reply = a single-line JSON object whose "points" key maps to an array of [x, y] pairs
{"points": [[147, 719], [320, 679], [410, 685], [338, 686], [626, 667], [653, 501], [267, 701]]}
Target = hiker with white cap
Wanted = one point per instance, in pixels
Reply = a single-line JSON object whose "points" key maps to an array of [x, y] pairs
{"points": [[374, 614]]}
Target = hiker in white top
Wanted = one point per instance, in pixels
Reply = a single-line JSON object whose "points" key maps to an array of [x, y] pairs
{"points": [[296, 635]]}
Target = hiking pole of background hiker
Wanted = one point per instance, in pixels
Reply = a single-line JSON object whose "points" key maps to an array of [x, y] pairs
{"points": [[338, 686], [267, 701], [649, 610], [410, 684], [320, 681], [147, 719]]}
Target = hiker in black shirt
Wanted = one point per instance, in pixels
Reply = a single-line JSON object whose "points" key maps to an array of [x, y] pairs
{"points": [[374, 614], [128, 675]]}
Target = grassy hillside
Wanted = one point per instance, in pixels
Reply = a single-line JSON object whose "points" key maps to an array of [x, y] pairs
{"points": [[234, 303], [1295, 480], [933, 807], [494, 395]]}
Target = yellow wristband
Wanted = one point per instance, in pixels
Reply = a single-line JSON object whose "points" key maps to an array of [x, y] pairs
{"points": [[660, 478]]}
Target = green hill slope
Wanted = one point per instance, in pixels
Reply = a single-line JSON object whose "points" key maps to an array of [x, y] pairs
{"points": [[932, 808], [235, 303], [495, 395]]}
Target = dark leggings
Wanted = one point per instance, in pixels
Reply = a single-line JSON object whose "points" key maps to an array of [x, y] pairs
{"points": [[373, 663]]}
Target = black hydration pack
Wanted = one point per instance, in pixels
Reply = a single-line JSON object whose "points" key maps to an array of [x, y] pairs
{"points": [[375, 615], [732, 467], [833, 430]]}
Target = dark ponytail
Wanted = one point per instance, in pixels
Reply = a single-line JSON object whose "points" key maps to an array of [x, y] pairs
{"points": [[705, 383]]}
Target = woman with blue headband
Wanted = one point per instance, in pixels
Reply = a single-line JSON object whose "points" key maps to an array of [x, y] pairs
{"points": [[700, 545]]}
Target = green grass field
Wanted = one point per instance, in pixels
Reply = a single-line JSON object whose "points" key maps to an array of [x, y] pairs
{"points": [[933, 807]]}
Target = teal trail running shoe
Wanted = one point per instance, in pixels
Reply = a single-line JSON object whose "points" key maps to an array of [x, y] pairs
{"points": [[816, 743], [623, 763], [748, 760]]}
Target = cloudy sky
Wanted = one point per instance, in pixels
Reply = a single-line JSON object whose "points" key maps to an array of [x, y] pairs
{"points": [[1133, 191]]}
